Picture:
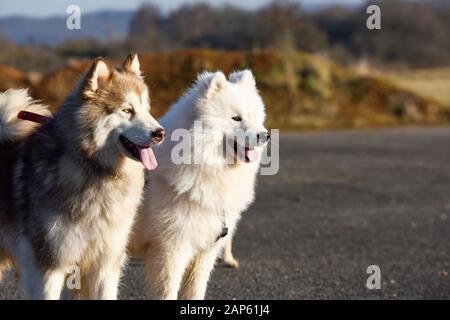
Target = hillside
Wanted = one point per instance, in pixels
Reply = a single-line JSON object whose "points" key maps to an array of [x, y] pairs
{"points": [[434, 82], [301, 91]]}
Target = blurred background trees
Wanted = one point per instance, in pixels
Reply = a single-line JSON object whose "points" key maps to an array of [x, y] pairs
{"points": [[414, 34], [296, 53]]}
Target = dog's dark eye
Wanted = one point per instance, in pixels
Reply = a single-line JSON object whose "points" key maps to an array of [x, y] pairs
{"points": [[127, 110], [237, 118]]}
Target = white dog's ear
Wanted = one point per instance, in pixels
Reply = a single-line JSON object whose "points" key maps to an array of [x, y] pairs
{"points": [[245, 77], [215, 83], [96, 78], [131, 64]]}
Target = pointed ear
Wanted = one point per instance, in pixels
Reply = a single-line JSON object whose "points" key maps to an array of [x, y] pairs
{"points": [[131, 64], [96, 78], [216, 83], [244, 77]]}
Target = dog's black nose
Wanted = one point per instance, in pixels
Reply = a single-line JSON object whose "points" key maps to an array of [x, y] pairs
{"points": [[263, 136], [158, 135]]}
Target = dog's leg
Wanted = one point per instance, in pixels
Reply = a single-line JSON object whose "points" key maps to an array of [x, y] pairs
{"points": [[228, 255], [5, 265], [38, 285], [196, 277], [31, 283], [102, 282], [53, 284], [31, 279], [164, 269]]}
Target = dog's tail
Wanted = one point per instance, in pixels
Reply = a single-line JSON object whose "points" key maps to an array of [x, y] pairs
{"points": [[12, 101]]}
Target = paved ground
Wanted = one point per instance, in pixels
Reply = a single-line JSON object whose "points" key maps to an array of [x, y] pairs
{"points": [[341, 202]]}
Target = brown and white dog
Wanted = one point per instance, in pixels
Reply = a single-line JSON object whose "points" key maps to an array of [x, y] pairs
{"points": [[70, 188]]}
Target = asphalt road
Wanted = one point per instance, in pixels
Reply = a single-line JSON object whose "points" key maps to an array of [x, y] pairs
{"points": [[341, 201]]}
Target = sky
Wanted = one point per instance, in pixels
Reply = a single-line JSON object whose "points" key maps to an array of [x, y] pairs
{"points": [[45, 8]]}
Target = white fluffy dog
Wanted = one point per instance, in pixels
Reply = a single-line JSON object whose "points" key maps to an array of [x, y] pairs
{"points": [[191, 209]]}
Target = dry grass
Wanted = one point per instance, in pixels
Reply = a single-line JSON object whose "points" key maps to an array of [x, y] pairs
{"points": [[301, 91], [432, 83]]}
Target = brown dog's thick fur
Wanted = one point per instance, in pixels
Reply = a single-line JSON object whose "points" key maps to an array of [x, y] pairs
{"points": [[74, 185]]}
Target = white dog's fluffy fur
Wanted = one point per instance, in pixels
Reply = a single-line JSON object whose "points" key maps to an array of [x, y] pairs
{"points": [[186, 206]]}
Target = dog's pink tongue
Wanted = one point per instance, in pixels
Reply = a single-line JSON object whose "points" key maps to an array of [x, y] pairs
{"points": [[251, 154], [148, 158]]}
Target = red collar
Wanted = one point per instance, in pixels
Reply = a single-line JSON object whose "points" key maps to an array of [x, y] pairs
{"points": [[33, 117]]}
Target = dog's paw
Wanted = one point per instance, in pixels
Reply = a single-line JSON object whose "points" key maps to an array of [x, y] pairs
{"points": [[232, 263]]}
